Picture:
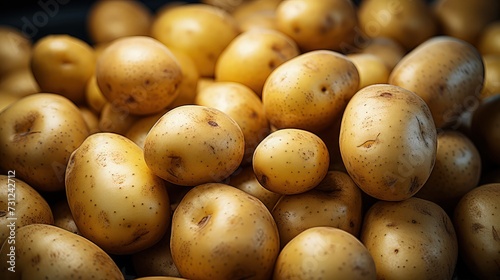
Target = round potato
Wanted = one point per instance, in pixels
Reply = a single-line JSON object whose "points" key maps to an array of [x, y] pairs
{"points": [[290, 161], [63, 217], [265, 19], [387, 49], [116, 119], [189, 84], [476, 220], [193, 144], [93, 95], [19, 82], [410, 239], [90, 118], [371, 69], [324, 253], [484, 129], [489, 40], [252, 56], [115, 200], [15, 50], [491, 75], [38, 133], [138, 74], [48, 252], [138, 131], [447, 73], [63, 64], [309, 91], [388, 141]]}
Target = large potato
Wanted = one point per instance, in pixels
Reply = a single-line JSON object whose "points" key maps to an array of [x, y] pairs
{"points": [[116, 201], [309, 91], [447, 73], [388, 141], [410, 239], [15, 50], [194, 144], [38, 133], [48, 252]]}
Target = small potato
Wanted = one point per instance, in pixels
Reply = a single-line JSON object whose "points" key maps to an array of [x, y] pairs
{"points": [[38, 133], [371, 69], [15, 50], [457, 170], [93, 95], [63, 64], [477, 222], [335, 202], [489, 40], [116, 119], [48, 252], [252, 56], [63, 217], [324, 253], [20, 205], [410, 239], [115, 200], [290, 161], [388, 141], [91, 119], [315, 25], [19, 82], [309, 91], [387, 49], [491, 76], [110, 20], [192, 145], [189, 84], [138, 74], [6, 99], [241, 104], [249, 8], [264, 19], [484, 129], [447, 73], [141, 127], [201, 31]]}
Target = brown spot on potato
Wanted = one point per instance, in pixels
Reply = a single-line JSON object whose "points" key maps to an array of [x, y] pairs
{"points": [[204, 221], [263, 180], [391, 224], [476, 227], [369, 143], [213, 123], [414, 185], [3, 213], [103, 217], [138, 234], [35, 260], [495, 234], [396, 251], [386, 94]]}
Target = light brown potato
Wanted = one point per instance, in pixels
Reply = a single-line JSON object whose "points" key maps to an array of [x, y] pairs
{"points": [[408, 22], [192, 145], [317, 25], [265, 19], [447, 73], [15, 50], [63, 64], [227, 5], [141, 127], [200, 30], [324, 253], [115, 199], [371, 69], [138, 74], [250, 8], [335, 202], [388, 141], [476, 220], [241, 104], [20, 205], [93, 95], [309, 91], [330, 136], [387, 49], [484, 129], [251, 57], [457, 170], [116, 119], [19, 82], [290, 161], [489, 40], [91, 119], [110, 20], [48, 252], [38, 133], [6, 99], [63, 217], [410, 239], [189, 83], [491, 75]]}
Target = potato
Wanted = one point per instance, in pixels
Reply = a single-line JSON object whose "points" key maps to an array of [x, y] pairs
{"points": [[410, 239], [489, 42], [63, 64], [371, 69], [446, 72], [90, 118], [245, 180], [110, 20], [476, 220], [290, 161], [387, 49], [116, 201], [20, 205], [388, 141], [241, 104], [252, 56], [484, 129], [491, 75], [317, 25], [116, 119], [138, 74], [309, 91], [48, 252], [93, 95], [160, 278], [324, 253], [335, 202], [38, 133], [63, 217], [200, 30], [264, 19], [457, 170], [138, 131], [15, 50], [19, 82], [221, 232], [6, 99], [193, 144], [189, 83], [250, 8]]}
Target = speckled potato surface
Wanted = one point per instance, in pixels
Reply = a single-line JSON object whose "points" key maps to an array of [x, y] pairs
{"points": [[388, 141]]}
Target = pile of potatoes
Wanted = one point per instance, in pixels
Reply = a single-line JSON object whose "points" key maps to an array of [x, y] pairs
{"points": [[255, 139]]}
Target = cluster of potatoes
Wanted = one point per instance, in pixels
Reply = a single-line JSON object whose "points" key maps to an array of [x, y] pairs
{"points": [[258, 139]]}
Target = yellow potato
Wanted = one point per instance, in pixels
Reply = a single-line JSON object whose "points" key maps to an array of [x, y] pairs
{"points": [[309, 91], [116, 119], [489, 40], [250, 8], [387, 49], [19, 82], [6, 99], [15, 50], [115, 200], [189, 84], [491, 75], [388, 141], [63, 217], [90, 118], [93, 95], [371, 69], [141, 127], [265, 19], [290, 161]]}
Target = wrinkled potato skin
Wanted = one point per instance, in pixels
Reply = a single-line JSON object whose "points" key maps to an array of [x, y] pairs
{"points": [[49, 252], [477, 221]]}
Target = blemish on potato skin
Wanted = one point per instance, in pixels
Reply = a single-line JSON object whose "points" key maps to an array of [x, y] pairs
{"points": [[477, 227]]}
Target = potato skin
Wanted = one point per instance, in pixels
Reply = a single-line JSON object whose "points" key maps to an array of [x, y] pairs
{"points": [[410, 239], [115, 200], [388, 141]]}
